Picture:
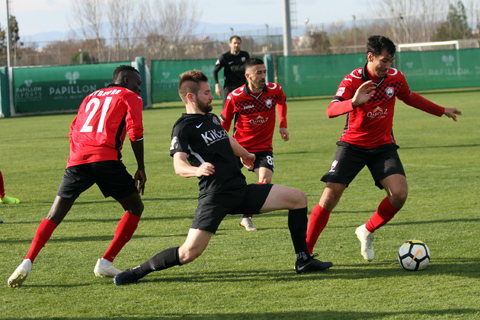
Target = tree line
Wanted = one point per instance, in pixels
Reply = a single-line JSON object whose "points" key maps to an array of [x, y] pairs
{"points": [[166, 30]]}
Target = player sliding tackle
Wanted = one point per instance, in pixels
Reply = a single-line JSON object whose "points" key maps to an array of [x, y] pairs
{"points": [[199, 138]]}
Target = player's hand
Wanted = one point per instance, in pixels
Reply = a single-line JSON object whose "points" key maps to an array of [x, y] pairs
{"points": [[218, 90], [140, 179], [363, 93], [452, 113], [248, 160], [205, 169], [284, 134]]}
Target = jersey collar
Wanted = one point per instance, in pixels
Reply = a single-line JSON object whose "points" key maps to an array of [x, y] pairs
{"points": [[366, 75]]}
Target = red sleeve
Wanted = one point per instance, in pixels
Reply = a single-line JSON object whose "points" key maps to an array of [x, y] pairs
{"points": [[227, 113], [337, 108], [134, 119], [417, 101], [282, 109]]}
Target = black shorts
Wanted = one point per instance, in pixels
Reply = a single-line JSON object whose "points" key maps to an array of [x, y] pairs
{"points": [[111, 177], [349, 160], [263, 159], [213, 207]]}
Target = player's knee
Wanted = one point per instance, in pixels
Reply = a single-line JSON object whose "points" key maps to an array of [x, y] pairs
{"points": [[300, 200], [398, 198], [186, 256]]}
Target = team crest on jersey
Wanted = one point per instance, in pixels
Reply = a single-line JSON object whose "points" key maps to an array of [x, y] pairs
{"points": [[340, 91], [215, 120], [268, 102], [243, 59], [389, 91]]}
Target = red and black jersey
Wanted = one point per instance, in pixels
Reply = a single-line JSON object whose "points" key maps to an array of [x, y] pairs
{"points": [[255, 116], [104, 117], [370, 125]]}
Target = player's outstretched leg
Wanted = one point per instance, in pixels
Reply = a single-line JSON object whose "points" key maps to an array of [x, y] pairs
{"points": [[20, 274]]}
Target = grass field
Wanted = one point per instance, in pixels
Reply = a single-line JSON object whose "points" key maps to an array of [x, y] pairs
{"points": [[250, 275]]}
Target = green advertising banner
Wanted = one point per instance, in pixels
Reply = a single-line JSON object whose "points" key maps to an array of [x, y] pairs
{"points": [[165, 77], [60, 88], [426, 70], [303, 76]]}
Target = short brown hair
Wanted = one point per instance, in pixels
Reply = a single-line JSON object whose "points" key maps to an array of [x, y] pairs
{"points": [[235, 37], [190, 83]]}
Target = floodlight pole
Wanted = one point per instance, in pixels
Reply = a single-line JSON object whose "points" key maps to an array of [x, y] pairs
{"points": [[287, 32], [9, 38]]}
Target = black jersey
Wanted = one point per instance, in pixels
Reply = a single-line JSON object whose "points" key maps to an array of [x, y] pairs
{"points": [[203, 139], [233, 68]]}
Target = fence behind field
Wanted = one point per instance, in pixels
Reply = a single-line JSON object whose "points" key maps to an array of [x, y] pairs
{"points": [[53, 89]]}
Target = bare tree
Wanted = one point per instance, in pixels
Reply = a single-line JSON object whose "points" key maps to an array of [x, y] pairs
{"points": [[87, 16], [124, 26], [413, 20], [171, 21]]}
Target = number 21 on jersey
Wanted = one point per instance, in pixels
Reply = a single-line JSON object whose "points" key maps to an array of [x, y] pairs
{"points": [[94, 105]]}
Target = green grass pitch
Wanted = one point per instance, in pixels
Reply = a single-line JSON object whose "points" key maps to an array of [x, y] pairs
{"points": [[250, 275]]}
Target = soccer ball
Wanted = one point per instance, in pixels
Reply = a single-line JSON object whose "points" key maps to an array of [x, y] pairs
{"points": [[414, 255]]}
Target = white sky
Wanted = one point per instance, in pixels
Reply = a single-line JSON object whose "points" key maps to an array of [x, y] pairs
{"points": [[36, 16]]}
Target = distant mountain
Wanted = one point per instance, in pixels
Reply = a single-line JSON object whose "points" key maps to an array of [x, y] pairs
{"points": [[221, 31]]}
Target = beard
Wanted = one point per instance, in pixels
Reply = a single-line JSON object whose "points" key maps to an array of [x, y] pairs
{"points": [[204, 107]]}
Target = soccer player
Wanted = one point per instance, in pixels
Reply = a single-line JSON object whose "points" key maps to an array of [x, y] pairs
{"points": [[96, 138], [232, 63], [253, 107], [367, 97], [199, 138], [4, 199]]}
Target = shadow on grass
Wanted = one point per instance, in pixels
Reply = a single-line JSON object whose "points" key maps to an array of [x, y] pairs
{"points": [[407, 314]]}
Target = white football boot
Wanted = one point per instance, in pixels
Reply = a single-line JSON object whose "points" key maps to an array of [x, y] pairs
{"points": [[247, 224], [105, 268], [366, 239], [20, 274]]}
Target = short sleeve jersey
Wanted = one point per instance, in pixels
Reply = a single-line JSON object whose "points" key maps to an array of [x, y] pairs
{"points": [[255, 116], [370, 125], [98, 131], [233, 68], [203, 139]]}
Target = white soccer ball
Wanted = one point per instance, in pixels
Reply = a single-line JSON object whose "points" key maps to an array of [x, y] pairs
{"points": [[414, 255]]}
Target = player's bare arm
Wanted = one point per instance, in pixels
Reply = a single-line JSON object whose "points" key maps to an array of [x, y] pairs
{"points": [[452, 113], [218, 90], [246, 157], [140, 176], [284, 134], [183, 169], [363, 93]]}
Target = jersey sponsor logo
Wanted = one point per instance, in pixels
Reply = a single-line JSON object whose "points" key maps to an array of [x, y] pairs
{"points": [[389, 91], [248, 107], [198, 125], [213, 136], [377, 113], [268, 102], [340, 91], [333, 166], [230, 62], [258, 121]]}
